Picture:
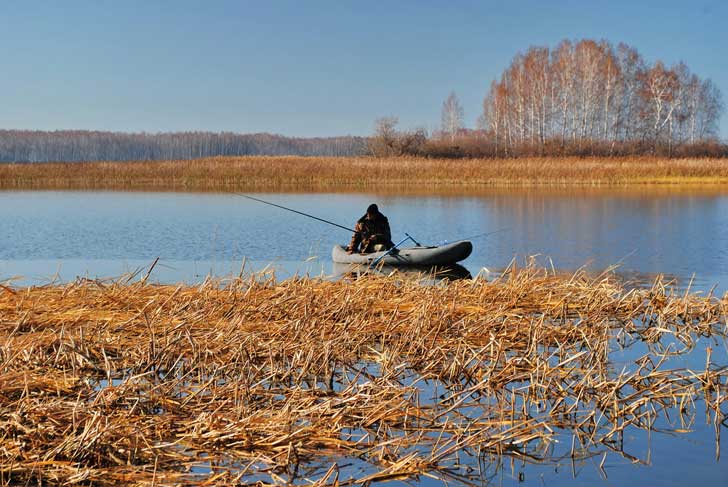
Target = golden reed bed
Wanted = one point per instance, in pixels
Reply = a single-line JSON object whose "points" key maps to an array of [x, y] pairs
{"points": [[335, 174], [335, 383]]}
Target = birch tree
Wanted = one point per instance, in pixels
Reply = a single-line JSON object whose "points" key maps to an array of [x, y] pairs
{"points": [[452, 116], [586, 94]]}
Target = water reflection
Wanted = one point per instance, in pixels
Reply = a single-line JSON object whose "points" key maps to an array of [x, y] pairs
{"points": [[452, 272]]}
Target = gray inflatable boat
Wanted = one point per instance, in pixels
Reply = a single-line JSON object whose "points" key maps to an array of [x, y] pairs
{"points": [[411, 256]]}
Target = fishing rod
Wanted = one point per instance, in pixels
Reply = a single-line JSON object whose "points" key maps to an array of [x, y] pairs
{"points": [[295, 211], [393, 249]]}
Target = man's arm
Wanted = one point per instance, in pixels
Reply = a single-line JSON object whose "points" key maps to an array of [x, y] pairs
{"points": [[356, 238]]}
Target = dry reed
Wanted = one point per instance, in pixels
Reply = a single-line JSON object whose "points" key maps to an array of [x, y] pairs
{"points": [[335, 383], [331, 173]]}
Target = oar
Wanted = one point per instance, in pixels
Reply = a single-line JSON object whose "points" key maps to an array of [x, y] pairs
{"points": [[379, 259]]}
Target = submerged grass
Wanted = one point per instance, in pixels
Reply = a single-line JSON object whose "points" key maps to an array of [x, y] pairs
{"points": [[333, 383], [260, 173]]}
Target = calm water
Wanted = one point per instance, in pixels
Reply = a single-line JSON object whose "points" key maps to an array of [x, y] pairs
{"points": [[107, 233], [682, 234]]}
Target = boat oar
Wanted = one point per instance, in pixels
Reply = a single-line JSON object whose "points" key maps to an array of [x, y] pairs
{"points": [[388, 252]]}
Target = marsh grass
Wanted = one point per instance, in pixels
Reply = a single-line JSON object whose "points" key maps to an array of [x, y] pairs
{"points": [[334, 383], [331, 173]]}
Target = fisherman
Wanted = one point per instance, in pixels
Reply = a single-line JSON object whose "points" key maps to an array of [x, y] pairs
{"points": [[371, 233]]}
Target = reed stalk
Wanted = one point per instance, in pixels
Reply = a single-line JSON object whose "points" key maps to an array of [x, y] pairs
{"points": [[337, 383], [262, 173]]}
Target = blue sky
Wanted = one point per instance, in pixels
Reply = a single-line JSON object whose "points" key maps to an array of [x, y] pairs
{"points": [[306, 68]]}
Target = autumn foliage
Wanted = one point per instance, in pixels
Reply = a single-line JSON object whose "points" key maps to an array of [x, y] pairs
{"points": [[587, 98]]}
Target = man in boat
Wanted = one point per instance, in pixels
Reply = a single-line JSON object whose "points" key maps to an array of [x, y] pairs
{"points": [[372, 233]]}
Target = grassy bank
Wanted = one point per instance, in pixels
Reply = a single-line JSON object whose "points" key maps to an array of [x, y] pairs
{"points": [[336, 174], [338, 383]]}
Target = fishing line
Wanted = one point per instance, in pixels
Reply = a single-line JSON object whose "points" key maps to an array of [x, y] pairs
{"points": [[485, 234]]}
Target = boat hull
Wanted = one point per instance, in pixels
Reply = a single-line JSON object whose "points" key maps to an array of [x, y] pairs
{"points": [[411, 256]]}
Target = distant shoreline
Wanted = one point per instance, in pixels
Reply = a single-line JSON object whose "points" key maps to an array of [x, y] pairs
{"points": [[320, 174]]}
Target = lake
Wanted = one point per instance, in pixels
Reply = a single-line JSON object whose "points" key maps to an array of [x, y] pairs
{"points": [[645, 231]]}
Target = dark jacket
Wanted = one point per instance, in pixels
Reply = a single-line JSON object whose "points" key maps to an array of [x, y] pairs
{"points": [[369, 233]]}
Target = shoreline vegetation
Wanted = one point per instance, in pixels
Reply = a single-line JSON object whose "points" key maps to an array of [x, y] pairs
{"points": [[323, 174], [119, 382]]}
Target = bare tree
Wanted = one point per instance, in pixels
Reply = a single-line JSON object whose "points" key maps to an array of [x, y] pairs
{"points": [[659, 89], [493, 115], [710, 108], [588, 96], [452, 116], [384, 141], [630, 64]]}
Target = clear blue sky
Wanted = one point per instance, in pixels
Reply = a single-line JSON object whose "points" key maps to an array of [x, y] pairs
{"points": [[306, 68]]}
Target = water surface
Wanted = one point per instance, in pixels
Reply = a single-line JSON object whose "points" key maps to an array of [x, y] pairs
{"points": [[645, 232]]}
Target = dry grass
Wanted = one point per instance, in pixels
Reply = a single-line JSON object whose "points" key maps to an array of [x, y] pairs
{"points": [[327, 174], [317, 382]]}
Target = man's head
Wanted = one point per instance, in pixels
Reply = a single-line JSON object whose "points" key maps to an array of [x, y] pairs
{"points": [[372, 211]]}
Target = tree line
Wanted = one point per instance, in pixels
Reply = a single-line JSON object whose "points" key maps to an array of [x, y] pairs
{"points": [[75, 146], [581, 98]]}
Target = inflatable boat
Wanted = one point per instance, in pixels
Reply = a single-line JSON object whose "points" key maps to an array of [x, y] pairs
{"points": [[410, 256]]}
